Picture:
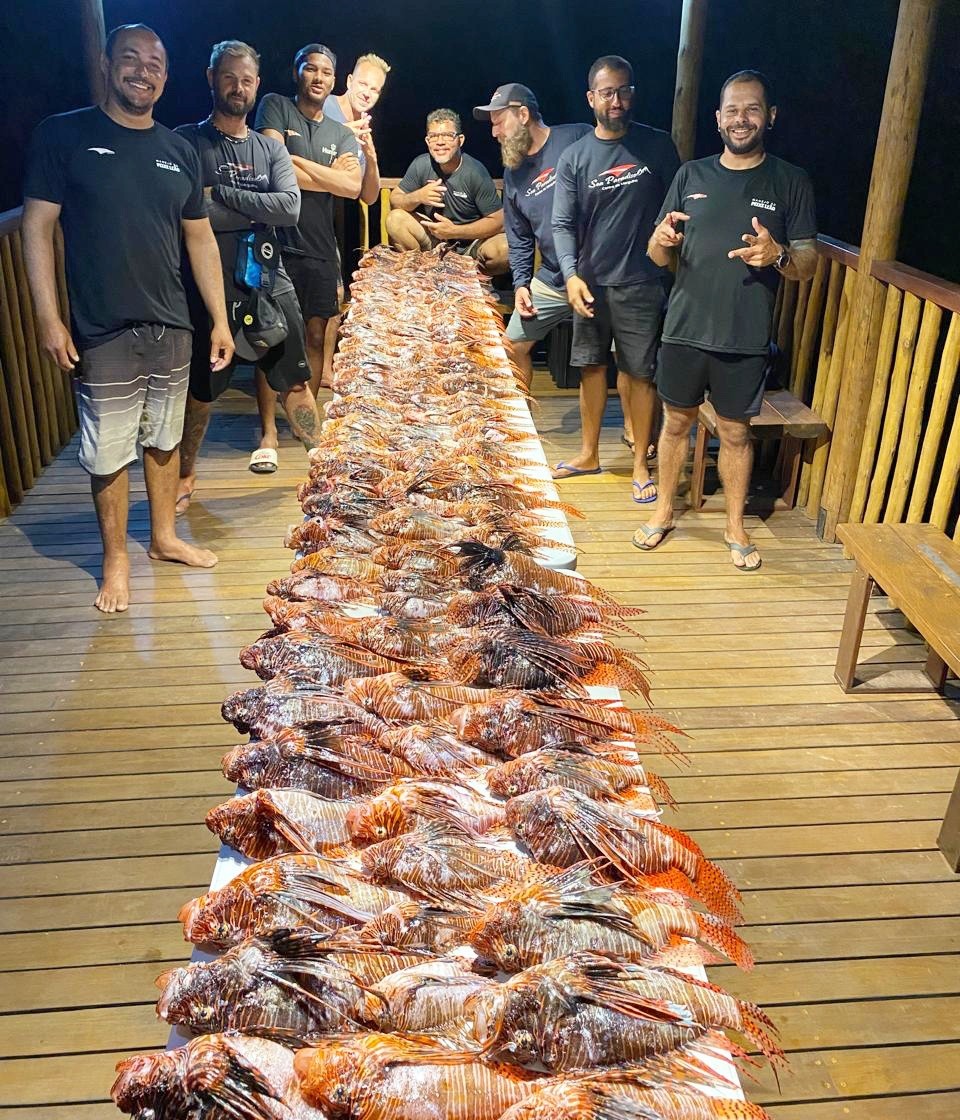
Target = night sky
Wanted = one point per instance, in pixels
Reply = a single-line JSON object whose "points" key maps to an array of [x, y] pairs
{"points": [[827, 58]]}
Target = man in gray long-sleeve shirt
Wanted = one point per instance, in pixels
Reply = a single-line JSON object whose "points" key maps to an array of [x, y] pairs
{"points": [[249, 181], [608, 191]]}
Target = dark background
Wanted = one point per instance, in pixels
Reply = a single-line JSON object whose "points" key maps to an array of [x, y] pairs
{"points": [[828, 60]]}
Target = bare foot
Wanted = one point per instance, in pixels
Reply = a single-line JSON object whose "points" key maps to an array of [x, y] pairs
{"points": [[185, 489], [180, 552], [114, 593]]}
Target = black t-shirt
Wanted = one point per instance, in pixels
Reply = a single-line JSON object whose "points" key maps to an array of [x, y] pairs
{"points": [[528, 208], [321, 142], [122, 193], [471, 193], [718, 303], [605, 205], [253, 182]]}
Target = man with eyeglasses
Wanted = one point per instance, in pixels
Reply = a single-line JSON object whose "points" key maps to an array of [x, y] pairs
{"points": [[530, 150], [609, 188], [734, 224], [446, 195]]}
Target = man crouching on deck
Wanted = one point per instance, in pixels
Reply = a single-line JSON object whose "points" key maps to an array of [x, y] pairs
{"points": [[124, 188], [734, 223]]}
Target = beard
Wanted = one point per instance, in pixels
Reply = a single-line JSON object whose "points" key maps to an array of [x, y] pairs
{"points": [[753, 143], [306, 94], [516, 148], [612, 124], [237, 108], [134, 108]]}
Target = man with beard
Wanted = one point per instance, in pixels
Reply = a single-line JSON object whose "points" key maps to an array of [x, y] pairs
{"points": [[530, 150], [609, 186], [325, 159], [249, 181], [125, 190], [716, 337], [448, 196]]}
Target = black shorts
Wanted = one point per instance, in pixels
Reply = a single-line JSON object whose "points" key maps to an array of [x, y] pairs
{"points": [[317, 283], [630, 316], [734, 382], [284, 366]]}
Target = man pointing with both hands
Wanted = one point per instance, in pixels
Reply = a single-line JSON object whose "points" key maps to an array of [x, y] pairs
{"points": [[733, 224]]}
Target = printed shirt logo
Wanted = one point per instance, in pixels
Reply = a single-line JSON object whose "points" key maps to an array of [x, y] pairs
{"points": [[688, 197], [168, 165], [460, 194], [239, 175], [620, 176], [542, 183], [331, 151], [103, 151], [293, 132], [762, 204]]}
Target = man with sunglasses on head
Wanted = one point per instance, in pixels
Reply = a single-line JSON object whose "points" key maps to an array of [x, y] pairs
{"points": [[446, 195], [530, 150], [608, 193]]}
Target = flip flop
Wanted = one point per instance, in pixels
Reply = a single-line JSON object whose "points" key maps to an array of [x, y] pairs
{"points": [[743, 550], [652, 453], [640, 488], [263, 461], [628, 442], [183, 503], [572, 472], [642, 537]]}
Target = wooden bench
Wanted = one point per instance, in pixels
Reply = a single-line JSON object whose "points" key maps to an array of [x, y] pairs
{"points": [[782, 417], [919, 569]]}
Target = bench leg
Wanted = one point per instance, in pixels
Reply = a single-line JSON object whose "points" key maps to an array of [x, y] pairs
{"points": [[860, 587], [790, 470], [699, 466], [949, 839], [936, 670]]}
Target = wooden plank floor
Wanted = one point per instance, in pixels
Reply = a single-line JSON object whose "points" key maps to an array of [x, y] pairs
{"points": [[823, 807]]}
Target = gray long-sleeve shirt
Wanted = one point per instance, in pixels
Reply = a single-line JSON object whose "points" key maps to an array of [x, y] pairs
{"points": [[252, 182], [605, 203]]}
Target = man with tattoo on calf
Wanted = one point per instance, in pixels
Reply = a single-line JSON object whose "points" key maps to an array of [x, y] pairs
{"points": [[249, 182]]}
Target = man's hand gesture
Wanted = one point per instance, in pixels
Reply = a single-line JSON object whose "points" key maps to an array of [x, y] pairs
{"points": [[761, 249], [580, 297], [441, 228], [666, 234], [431, 194]]}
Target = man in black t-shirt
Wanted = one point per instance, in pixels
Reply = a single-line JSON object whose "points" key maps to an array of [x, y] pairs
{"points": [[449, 196], [734, 224], [125, 190], [609, 185], [325, 159], [249, 181]]}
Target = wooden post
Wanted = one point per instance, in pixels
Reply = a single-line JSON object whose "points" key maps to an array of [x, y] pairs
{"points": [[689, 59], [94, 36], [892, 163]]}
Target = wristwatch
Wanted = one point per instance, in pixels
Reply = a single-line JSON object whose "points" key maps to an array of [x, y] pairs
{"points": [[782, 261]]}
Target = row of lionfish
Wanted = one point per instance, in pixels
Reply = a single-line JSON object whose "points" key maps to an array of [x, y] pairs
{"points": [[461, 900]]}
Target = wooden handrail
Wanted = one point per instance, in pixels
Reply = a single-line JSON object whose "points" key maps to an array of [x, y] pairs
{"points": [[943, 293], [839, 251]]}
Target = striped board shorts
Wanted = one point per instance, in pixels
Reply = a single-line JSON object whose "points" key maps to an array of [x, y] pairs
{"points": [[132, 390]]}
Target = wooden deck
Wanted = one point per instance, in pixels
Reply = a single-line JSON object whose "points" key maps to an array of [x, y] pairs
{"points": [[823, 807]]}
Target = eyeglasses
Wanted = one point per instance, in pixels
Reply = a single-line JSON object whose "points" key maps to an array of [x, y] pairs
{"points": [[625, 93], [435, 136]]}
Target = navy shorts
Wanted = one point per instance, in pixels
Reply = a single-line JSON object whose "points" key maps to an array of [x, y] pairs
{"points": [[629, 316], [317, 284], [686, 375]]}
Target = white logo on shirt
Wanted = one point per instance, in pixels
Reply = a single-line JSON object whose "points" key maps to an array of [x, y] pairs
{"points": [[693, 196], [168, 165], [763, 204], [619, 176], [460, 194], [542, 183], [293, 132], [329, 151], [103, 151]]}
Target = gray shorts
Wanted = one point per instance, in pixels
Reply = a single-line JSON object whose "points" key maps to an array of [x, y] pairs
{"points": [[630, 316], [552, 308], [132, 390]]}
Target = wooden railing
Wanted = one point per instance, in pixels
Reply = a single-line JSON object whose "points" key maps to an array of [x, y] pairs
{"points": [[37, 410], [910, 454]]}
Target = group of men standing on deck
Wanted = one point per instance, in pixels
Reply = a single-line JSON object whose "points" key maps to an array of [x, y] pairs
{"points": [[189, 251]]}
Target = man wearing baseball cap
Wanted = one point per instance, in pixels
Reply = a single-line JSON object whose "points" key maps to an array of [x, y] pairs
{"points": [[530, 150]]}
